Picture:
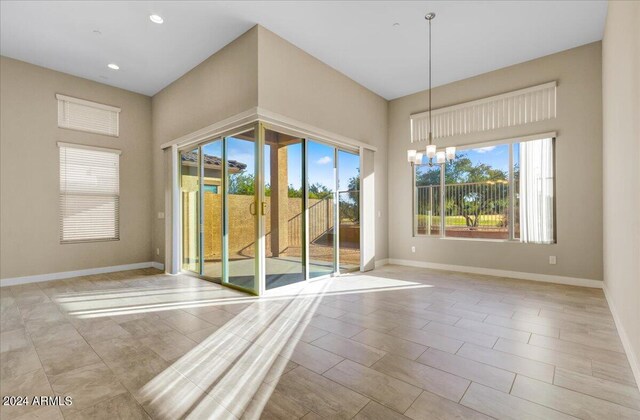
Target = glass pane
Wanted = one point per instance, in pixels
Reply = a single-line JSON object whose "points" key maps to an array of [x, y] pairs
{"points": [[349, 210], [427, 200], [241, 210], [284, 216], [477, 193], [321, 188], [212, 209], [189, 191]]}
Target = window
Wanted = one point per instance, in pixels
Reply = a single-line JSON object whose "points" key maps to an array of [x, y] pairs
{"points": [[92, 117], [502, 191], [89, 193]]}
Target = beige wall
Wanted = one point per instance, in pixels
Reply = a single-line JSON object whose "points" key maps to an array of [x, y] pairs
{"points": [[262, 69], [578, 176], [621, 178], [297, 85], [223, 85], [29, 174]]}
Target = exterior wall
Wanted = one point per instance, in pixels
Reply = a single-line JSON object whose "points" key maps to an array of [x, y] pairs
{"points": [[223, 85], [29, 225], [578, 173], [621, 123], [295, 84]]}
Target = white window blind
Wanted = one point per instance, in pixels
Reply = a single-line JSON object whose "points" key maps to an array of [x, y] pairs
{"points": [[524, 106], [89, 193], [82, 115]]}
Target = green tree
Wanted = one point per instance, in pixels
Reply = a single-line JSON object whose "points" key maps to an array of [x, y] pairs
{"points": [[472, 202], [241, 183], [350, 201], [319, 191]]}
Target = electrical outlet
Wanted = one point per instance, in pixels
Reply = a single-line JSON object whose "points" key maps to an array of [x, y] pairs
{"points": [[413, 249], [157, 251], [160, 215], [552, 259]]}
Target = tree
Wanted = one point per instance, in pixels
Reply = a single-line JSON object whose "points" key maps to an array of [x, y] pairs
{"points": [[350, 201], [319, 191], [241, 183], [472, 202]]}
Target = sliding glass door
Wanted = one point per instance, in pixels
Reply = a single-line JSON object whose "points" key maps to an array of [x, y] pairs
{"points": [[241, 209], [284, 203], [321, 209], [190, 207], [211, 193], [348, 211], [262, 209]]}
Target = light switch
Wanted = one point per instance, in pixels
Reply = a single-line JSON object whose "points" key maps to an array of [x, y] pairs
{"points": [[160, 215], [552, 259]]}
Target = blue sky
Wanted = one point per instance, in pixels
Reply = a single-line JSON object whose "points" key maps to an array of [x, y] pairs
{"points": [[496, 156], [321, 165]]}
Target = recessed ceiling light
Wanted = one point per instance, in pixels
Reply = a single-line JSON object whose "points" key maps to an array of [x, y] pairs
{"points": [[156, 19], [113, 66], [396, 24]]}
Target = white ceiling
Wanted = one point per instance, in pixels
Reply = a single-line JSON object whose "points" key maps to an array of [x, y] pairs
{"points": [[357, 38]]}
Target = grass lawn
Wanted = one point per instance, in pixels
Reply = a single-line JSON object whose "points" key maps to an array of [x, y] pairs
{"points": [[485, 220]]}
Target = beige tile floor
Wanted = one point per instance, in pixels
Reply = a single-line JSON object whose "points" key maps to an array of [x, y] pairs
{"points": [[395, 343]]}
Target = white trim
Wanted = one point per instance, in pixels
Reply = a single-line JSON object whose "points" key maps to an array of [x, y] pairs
{"points": [[174, 241], [214, 130], [268, 117], [382, 262], [521, 139], [84, 146], [626, 343], [547, 278], [309, 130], [12, 281], [157, 265], [92, 104], [519, 107]]}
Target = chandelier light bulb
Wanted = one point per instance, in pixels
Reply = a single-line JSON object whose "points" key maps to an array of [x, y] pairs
{"points": [[441, 157], [418, 160], [431, 151], [451, 153], [411, 156]]}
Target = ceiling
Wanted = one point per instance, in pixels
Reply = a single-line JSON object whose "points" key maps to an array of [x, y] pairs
{"points": [[358, 38]]}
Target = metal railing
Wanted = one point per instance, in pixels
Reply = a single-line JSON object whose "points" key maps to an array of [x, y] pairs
{"points": [[321, 216], [476, 206]]}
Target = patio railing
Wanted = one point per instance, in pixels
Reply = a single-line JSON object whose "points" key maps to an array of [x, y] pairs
{"points": [[474, 206]]}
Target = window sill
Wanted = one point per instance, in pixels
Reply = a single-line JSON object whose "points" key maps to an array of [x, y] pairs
{"points": [[511, 241], [85, 241]]}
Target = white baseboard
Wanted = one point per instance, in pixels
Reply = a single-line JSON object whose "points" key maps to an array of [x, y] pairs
{"points": [[12, 281], [157, 265], [626, 343], [382, 263], [572, 281]]}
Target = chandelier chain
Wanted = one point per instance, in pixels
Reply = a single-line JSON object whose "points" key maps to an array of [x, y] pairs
{"points": [[430, 126]]}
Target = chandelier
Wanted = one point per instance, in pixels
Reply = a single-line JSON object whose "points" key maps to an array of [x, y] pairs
{"points": [[414, 156]]}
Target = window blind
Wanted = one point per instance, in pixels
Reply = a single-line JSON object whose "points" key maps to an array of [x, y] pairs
{"points": [[89, 193], [82, 115], [524, 106]]}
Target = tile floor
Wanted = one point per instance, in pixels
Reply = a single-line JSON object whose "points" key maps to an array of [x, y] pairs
{"points": [[395, 343]]}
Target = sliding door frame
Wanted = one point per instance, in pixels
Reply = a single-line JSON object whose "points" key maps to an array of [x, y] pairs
{"points": [[259, 201]]}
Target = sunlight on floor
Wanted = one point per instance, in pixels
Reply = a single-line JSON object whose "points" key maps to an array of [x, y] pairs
{"points": [[234, 371], [128, 301]]}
